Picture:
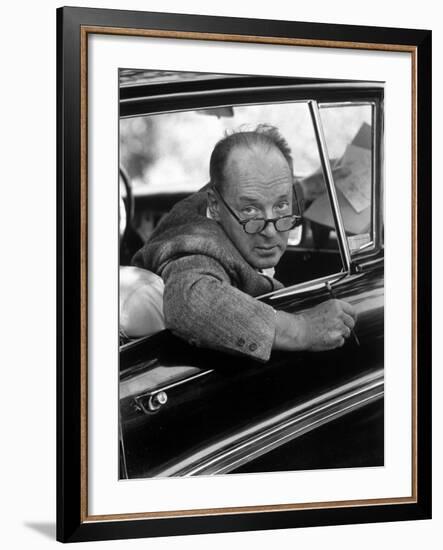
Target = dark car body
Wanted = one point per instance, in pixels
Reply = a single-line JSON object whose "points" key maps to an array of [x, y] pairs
{"points": [[188, 411]]}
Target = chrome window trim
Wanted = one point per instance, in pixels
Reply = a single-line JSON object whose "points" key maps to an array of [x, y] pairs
{"points": [[350, 103], [306, 286], [330, 185]]}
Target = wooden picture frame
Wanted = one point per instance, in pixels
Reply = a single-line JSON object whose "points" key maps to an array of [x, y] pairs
{"points": [[74, 25]]}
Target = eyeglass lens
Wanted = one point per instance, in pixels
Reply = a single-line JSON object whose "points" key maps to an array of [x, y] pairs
{"points": [[282, 224]]}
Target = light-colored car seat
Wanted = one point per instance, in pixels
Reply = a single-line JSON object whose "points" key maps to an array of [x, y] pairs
{"points": [[141, 302]]}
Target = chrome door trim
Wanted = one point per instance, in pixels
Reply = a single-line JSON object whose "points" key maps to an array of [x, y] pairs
{"points": [[263, 436]]}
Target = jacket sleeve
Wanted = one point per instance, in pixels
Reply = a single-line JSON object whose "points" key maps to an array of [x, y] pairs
{"points": [[202, 306]]}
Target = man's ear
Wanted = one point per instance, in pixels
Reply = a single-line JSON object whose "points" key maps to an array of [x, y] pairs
{"points": [[213, 205]]}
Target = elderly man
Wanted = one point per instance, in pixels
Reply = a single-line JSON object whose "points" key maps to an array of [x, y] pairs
{"points": [[216, 250]]}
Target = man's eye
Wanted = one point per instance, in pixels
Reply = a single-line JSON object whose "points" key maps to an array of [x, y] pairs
{"points": [[282, 206], [250, 211]]}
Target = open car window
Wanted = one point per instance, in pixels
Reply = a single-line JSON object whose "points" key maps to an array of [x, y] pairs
{"points": [[167, 158]]}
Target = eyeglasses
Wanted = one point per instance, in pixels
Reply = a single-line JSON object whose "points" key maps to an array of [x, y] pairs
{"points": [[257, 225]]}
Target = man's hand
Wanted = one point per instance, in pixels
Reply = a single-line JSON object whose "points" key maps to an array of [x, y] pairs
{"points": [[320, 328]]}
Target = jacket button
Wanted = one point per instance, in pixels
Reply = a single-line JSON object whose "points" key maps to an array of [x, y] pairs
{"points": [[253, 346], [241, 342]]}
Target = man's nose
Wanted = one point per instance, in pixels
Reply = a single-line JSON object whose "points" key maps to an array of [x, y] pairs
{"points": [[269, 230]]}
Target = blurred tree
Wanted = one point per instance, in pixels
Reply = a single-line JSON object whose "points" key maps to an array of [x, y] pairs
{"points": [[137, 145]]}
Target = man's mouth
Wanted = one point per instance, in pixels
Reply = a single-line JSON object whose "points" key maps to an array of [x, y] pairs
{"points": [[268, 248]]}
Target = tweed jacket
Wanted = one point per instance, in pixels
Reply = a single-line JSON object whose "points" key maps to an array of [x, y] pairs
{"points": [[209, 287]]}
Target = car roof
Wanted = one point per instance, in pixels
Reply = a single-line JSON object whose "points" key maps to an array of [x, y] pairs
{"points": [[130, 78], [145, 92]]}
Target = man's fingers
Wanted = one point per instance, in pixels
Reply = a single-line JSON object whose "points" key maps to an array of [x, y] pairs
{"points": [[348, 320], [329, 324], [347, 308]]}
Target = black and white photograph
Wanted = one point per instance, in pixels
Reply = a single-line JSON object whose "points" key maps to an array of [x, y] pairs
{"points": [[251, 273]]}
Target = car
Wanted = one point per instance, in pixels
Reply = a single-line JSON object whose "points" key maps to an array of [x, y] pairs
{"points": [[187, 411]]}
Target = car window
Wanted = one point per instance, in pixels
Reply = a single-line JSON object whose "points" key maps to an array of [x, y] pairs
{"points": [[170, 152], [348, 130], [167, 158]]}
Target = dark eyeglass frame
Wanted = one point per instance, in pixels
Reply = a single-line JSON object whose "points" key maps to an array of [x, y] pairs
{"points": [[296, 218]]}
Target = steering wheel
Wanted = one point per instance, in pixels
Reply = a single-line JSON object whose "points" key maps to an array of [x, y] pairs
{"points": [[128, 202]]}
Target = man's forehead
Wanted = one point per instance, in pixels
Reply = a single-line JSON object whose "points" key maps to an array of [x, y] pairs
{"points": [[257, 166], [240, 154]]}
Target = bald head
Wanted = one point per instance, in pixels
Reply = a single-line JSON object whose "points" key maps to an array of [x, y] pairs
{"points": [[263, 139]]}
